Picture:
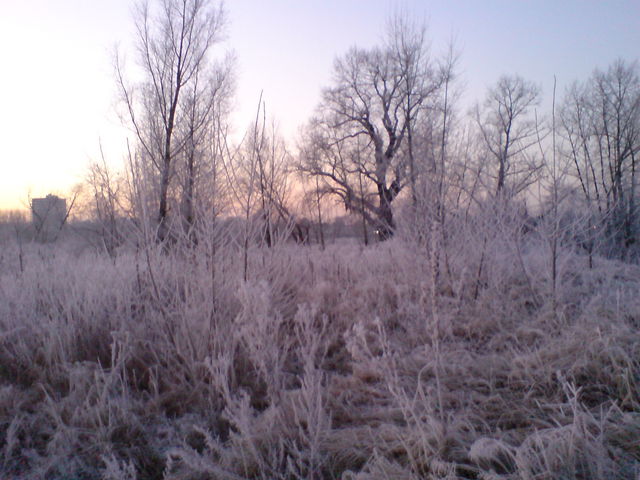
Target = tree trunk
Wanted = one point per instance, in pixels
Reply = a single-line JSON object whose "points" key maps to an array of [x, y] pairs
{"points": [[189, 217], [163, 209], [386, 224]]}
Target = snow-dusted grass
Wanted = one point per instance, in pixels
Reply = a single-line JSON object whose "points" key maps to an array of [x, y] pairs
{"points": [[353, 363]]}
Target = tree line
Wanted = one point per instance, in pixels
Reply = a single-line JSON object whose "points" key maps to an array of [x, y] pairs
{"points": [[388, 142]]}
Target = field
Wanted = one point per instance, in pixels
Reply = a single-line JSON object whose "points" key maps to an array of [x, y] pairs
{"points": [[353, 362]]}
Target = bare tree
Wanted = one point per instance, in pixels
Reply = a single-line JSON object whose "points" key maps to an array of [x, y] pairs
{"points": [[508, 130], [363, 126], [206, 103], [170, 105], [601, 124], [106, 205], [272, 163]]}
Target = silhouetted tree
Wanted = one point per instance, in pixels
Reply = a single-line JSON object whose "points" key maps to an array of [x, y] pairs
{"points": [[363, 126]]}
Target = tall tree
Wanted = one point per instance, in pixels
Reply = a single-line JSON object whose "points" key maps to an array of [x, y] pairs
{"points": [[507, 129], [363, 126], [601, 124], [206, 106], [170, 105]]}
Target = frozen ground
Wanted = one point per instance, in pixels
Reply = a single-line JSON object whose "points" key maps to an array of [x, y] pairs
{"points": [[350, 363]]}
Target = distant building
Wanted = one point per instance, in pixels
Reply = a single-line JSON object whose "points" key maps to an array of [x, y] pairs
{"points": [[48, 216]]}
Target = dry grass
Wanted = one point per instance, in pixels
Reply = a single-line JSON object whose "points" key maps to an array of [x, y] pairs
{"points": [[349, 363]]}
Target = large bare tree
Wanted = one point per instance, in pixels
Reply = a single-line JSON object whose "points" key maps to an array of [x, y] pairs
{"points": [[171, 107], [362, 131]]}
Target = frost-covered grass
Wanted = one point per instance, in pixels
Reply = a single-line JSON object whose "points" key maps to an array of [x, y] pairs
{"points": [[352, 363]]}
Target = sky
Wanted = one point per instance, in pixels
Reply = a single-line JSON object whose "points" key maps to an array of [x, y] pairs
{"points": [[59, 96]]}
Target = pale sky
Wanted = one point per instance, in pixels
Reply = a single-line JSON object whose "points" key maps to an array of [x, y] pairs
{"points": [[58, 91]]}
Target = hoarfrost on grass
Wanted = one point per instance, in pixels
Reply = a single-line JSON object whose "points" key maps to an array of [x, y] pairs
{"points": [[325, 364]]}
